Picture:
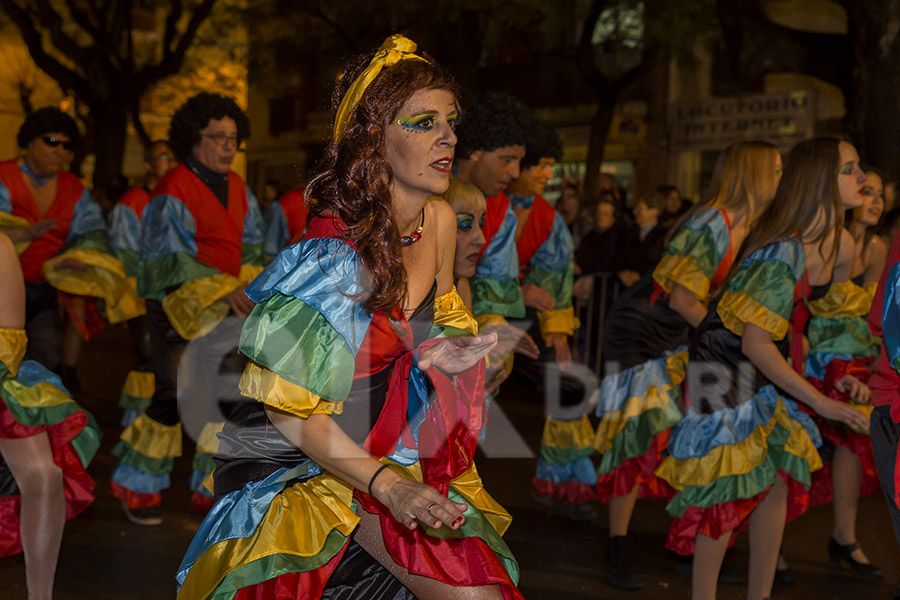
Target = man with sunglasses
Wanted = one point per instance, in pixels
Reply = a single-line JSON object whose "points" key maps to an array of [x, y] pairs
{"points": [[201, 244], [47, 212]]}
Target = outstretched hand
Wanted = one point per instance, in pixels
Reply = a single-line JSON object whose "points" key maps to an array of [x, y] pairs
{"points": [[411, 502], [457, 354], [511, 339]]}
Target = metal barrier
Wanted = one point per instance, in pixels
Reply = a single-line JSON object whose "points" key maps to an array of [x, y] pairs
{"points": [[588, 339]]}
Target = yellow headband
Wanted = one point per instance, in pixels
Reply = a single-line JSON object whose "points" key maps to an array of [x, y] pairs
{"points": [[393, 50]]}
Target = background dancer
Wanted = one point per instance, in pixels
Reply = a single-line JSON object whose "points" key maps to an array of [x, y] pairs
{"points": [[647, 340], [201, 243]]}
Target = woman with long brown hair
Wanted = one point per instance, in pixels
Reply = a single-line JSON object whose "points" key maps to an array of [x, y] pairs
{"points": [[352, 472], [648, 333], [744, 450]]}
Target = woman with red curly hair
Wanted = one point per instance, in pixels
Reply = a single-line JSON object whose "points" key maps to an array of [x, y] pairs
{"points": [[351, 470]]}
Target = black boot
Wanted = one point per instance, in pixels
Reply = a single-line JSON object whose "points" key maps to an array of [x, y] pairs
{"points": [[618, 566], [839, 553]]}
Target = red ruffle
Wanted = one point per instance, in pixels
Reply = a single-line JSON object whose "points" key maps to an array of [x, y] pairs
{"points": [[639, 471], [293, 586], [461, 562], [567, 492], [200, 503], [731, 516], [134, 499], [77, 484]]}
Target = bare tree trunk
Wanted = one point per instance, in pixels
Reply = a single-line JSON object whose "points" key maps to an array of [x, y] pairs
{"points": [[110, 130], [606, 106]]}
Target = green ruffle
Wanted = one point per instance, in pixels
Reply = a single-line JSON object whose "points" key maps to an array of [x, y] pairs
{"points": [[746, 485], [129, 260], [769, 283], [636, 437], [274, 565], [92, 240], [203, 462], [131, 457], [155, 275], [134, 403], [699, 244], [563, 456], [252, 254], [846, 335], [493, 297], [558, 283], [296, 342]]}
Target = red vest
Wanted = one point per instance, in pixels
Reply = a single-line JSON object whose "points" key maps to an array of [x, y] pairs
{"points": [[295, 213], [68, 191], [219, 231], [536, 230]]}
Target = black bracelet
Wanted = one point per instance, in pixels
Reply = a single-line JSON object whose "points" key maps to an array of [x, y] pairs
{"points": [[376, 474]]}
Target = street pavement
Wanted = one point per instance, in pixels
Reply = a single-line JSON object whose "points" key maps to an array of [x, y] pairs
{"points": [[104, 557]]}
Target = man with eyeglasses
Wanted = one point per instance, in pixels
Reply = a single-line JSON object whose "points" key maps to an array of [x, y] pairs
{"points": [[201, 244], [124, 240], [56, 224]]}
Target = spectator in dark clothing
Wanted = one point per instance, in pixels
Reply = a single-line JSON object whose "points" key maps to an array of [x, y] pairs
{"points": [[644, 243], [598, 250], [676, 206]]}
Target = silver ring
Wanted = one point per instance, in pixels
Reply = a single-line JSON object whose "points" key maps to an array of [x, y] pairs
{"points": [[433, 504]]}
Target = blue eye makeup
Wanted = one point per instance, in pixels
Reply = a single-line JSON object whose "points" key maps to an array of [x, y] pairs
{"points": [[423, 122], [464, 221], [846, 169]]}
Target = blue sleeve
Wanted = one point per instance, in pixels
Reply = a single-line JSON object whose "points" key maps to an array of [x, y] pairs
{"points": [[167, 227], [86, 217], [5, 199], [890, 317], [124, 229], [277, 231]]}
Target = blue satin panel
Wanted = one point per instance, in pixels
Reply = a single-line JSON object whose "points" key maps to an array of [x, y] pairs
{"points": [[197, 479], [500, 260], [713, 220], [558, 251], [789, 251], [417, 405], [816, 363], [890, 316], [139, 481], [167, 227], [32, 373], [581, 470], [238, 514], [326, 274], [277, 232], [253, 222], [617, 388], [86, 217], [124, 229], [697, 434], [5, 199]]}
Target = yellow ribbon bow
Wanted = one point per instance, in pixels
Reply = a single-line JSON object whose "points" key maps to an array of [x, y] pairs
{"points": [[393, 50]]}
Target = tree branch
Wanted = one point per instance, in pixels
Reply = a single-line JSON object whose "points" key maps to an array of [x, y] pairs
{"points": [[67, 78], [136, 121], [173, 59]]}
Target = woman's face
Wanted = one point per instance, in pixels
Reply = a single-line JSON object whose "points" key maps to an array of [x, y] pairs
{"points": [[644, 215], [469, 209], [873, 201], [419, 144], [851, 179], [673, 201], [604, 216]]}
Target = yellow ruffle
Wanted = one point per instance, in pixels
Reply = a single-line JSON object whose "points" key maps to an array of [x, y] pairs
{"points": [[8, 220], [560, 320], [470, 487], [270, 388], [207, 441], [12, 347], [451, 311], [41, 395], [104, 278], [196, 307], [139, 384], [659, 396], [741, 458], [737, 309], [152, 439], [297, 523], [845, 299], [568, 434], [683, 270]]}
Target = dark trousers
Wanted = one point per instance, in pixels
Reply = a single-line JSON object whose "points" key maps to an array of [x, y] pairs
{"points": [[885, 437], [140, 342], [166, 348], [43, 325]]}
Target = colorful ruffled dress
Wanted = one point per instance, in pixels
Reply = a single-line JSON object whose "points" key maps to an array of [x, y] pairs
{"points": [[741, 431], [125, 243], [840, 344], [645, 350], [195, 249], [546, 254], [281, 526], [34, 401]]}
